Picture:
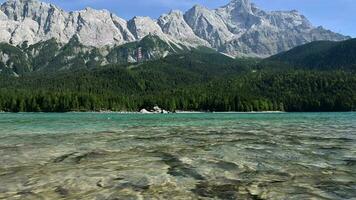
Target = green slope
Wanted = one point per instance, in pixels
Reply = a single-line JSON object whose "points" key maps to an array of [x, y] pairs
{"points": [[13, 61], [189, 81], [178, 70], [313, 77], [322, 55], [52, 56]]}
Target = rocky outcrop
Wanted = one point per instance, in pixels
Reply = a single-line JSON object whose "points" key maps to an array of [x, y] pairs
{"points": [[34, 21], [142, 26], [3, 16], [174, 25], [238, 29], [100, 27], [260, 33], [155, 110], [207, 25]]}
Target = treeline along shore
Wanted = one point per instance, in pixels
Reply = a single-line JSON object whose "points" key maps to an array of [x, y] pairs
{"points": [[292, 91], [315, 77]]}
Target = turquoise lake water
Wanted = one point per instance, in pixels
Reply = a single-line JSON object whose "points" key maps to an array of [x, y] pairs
{"points": [[178, 156]]}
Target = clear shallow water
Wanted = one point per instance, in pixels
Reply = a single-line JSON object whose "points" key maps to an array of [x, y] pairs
{"points": [[180, 156]]}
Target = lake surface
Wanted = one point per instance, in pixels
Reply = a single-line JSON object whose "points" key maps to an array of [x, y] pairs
{"points": [[178, 156]]}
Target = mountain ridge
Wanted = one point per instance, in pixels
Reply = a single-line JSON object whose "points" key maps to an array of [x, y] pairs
{"points": [[52, 55], [319, 55], [237, 29]]}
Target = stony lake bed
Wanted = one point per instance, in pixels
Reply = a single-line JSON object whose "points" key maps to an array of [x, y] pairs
{"points": [[178, 156]]}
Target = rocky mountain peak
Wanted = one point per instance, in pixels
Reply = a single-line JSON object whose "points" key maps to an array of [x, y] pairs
{"points": [[175, 12], [95, 11], [239, 28], [19, 2], [241, 5], [172, 17], [143, 26], [24, 1], [207, 25], [174, 25], [239, 15], [20, 9], [198, 9]]}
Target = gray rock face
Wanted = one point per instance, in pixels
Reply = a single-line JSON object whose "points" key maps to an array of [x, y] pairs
{"points": [[238, 16], [6, 27], [100, 28], [238, 29], [174, 25], [34, 21], [207, 25], [2, 16], [142, 26], [260, 33]]}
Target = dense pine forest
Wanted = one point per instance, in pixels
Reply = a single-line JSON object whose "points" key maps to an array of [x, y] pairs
{"points": [[200, 81]]}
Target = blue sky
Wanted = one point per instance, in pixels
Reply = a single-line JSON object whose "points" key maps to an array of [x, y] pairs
{"points": [[336, 15]]}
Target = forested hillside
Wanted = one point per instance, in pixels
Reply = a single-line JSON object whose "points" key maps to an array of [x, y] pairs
{"points": [[53, 56], [321, 55], [194, 80]]}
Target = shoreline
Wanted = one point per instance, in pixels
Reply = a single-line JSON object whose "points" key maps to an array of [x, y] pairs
{"points": [[169, 112], [177, 112], [136, 112]]}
